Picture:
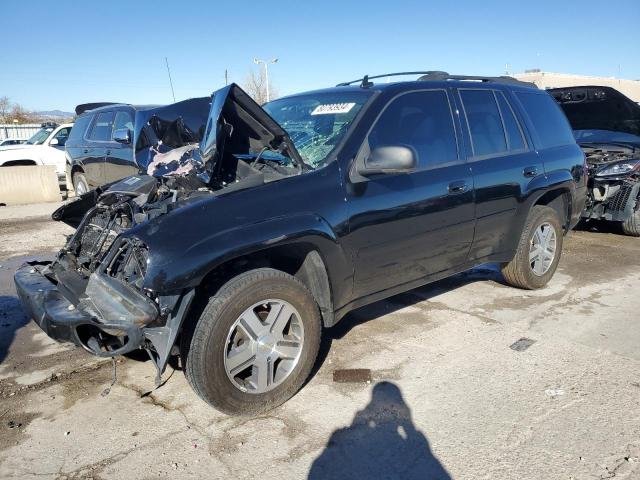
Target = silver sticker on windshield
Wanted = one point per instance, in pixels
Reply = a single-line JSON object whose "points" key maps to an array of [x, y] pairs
{"points": [[332, 108]]}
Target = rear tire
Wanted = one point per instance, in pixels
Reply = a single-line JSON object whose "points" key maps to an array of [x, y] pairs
{"points": [[524, 271], [208, 349], [631, 226], [80, 185]]}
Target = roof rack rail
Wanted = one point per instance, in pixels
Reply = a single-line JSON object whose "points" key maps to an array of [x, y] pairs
{"points": [[436, 75], [478, 78], [364, 81]]}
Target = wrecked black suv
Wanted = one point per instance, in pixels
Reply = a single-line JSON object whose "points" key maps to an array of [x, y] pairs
{"points": [[606, 125], [251, 229]]}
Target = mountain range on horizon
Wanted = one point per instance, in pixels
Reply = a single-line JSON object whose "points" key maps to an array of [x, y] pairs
{"points": [[55, 114]]}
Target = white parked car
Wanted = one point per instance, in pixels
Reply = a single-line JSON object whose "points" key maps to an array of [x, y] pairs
{"points": [[45, 147], [12, 141]]}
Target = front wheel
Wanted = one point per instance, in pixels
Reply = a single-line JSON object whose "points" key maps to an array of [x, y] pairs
{"points": [[254, 344], [538, 252], [631, 226]]}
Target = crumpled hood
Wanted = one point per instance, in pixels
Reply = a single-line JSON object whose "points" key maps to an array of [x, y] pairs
{"points": [[228, 122], [598, 108]]}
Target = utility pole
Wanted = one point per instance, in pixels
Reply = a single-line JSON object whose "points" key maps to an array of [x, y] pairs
{"points": [[266, 63], [226, 77], [619, 73], [170, 81]]}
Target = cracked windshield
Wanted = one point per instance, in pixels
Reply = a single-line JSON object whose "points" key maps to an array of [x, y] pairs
{"points": [[316, 123]]}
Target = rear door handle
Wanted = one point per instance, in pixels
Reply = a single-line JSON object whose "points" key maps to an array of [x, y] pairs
{"points": [[86, 150], [108, 152], [457, 187], [530, 172]]}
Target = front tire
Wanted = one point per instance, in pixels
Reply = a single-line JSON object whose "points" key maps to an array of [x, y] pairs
{"points": [[631, 226], [255, 343], [539, 250]]}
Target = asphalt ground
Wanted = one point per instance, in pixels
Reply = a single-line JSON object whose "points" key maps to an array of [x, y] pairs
{"points": [[467, 379]]}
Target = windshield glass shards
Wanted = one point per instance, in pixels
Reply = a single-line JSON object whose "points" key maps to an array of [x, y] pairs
{"points": [[316, 123]]}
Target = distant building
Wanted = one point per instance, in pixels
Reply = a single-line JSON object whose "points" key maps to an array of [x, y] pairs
{"points": [[631, 88]]}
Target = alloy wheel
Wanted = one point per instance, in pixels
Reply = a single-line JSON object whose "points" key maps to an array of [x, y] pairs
{"points": [[80, 188], [542, 251], [264, 346]]}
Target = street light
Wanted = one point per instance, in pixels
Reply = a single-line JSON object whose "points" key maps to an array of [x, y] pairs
{"points": [[266, 63]]}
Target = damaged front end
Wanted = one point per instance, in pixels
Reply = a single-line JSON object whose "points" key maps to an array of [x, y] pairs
{"points": [[606, 125], [614, 182], [96, 293]]}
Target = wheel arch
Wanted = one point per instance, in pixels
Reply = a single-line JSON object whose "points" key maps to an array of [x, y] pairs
{"points": [[560, 200], [20, 163], [75, 168], [303, 260]]}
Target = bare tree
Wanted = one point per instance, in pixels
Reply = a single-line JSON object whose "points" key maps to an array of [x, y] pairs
{"points": [[5, 105], [16, 113], [19, 114], [256, 86]]}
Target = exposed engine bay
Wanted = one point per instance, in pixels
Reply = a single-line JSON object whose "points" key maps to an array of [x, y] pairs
{"points": [[614, 181]]}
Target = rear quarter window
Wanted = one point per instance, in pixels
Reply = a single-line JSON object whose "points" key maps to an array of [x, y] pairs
{"points": [[550, 124], [79, 129], [101, 130]]}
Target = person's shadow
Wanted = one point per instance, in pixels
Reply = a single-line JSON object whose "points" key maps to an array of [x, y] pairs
{"points": [[380, 443]]}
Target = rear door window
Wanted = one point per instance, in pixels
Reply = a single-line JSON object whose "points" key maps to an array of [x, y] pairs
{"points": [[484, 121], [421, 120], [549, 122], [101, 131], [515, 139]]}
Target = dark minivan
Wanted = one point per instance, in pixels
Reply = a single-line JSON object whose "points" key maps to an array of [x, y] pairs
{"points": [[100, 149], [254, 228]]}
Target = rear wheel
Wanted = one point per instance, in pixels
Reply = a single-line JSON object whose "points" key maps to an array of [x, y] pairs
{"points": [[254, 344], [631, 226], [538, 252], [80, 185]]}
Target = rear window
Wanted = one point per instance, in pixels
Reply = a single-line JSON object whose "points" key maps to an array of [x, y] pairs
{"points": [[548, 120], [485, 124], [79, 129], [101, 131]]}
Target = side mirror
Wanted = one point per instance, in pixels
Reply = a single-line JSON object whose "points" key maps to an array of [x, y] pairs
{"points": [[388, 160], [54, 142], [122, 135]]}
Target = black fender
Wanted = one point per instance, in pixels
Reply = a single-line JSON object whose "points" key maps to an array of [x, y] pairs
{"points": [[171, 271]]}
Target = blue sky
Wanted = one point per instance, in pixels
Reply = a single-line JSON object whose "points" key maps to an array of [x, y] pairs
{"points": [[56, 55]]}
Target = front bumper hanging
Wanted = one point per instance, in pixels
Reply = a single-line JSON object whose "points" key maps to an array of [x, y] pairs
{"points": [[61, 320]]}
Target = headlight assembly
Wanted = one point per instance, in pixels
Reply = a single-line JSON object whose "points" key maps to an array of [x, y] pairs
{"points": [[619, 168]]}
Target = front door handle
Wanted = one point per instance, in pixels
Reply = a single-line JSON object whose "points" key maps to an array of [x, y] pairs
{"points": [[457, 187], [108, 152], [530, 172], [86, 150]]}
